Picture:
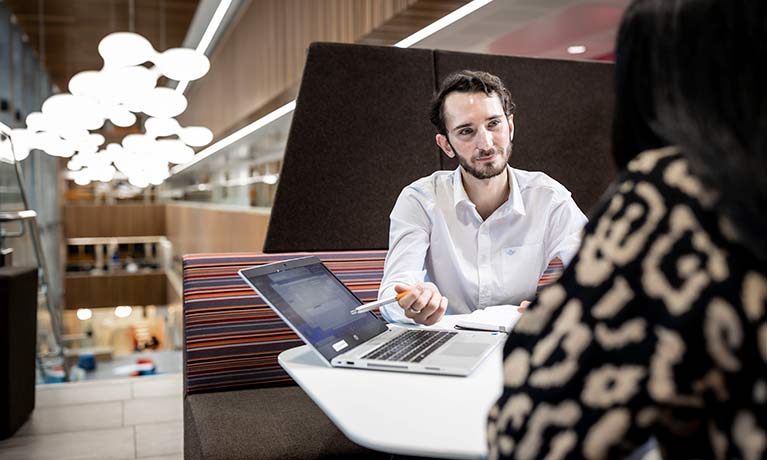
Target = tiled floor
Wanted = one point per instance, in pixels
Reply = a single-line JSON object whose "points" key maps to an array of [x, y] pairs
{"points": [[128, 418]]}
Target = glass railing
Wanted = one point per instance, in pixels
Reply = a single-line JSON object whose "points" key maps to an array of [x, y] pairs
{"points": [[21, 245]]}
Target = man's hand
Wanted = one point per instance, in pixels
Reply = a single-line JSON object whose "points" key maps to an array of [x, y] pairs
{"points": [[424, 304], [523, 306]]}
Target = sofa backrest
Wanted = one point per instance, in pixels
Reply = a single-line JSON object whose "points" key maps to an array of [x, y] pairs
{"points": [[232, 338], [361, 132]]}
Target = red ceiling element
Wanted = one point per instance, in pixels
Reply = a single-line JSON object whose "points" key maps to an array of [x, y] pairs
{"points": [[609, 57], [593, 25]]}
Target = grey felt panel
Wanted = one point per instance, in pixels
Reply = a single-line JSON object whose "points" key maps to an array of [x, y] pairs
{"points": [[563, 117], [267, 423], [360, 133]]}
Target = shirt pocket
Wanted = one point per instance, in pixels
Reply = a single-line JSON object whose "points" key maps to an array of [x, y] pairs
{"points": [[521, 267]]}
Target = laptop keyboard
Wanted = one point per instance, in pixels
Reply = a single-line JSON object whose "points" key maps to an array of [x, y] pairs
{"points": [[412, 346]]}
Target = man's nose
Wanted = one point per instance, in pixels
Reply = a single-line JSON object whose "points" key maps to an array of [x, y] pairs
{"points": [[484, 139]]}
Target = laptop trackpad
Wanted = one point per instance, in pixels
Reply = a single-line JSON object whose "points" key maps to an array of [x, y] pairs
{"points": [[463, 349]]}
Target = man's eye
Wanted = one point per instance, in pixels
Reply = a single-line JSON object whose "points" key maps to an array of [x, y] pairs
{"points": [[465, 131], [494, 123]]}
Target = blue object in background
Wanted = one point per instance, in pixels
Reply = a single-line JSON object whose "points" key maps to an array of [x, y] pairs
{"points": [[151, 371], [87, 361]]}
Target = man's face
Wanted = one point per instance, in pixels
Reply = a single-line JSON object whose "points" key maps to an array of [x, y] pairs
{"points": [[478, 133]]}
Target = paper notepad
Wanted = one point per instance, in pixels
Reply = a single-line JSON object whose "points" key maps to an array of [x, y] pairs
{"points": [[501, 318]]}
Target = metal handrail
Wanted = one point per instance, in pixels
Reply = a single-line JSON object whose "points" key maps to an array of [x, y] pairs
{"points": [[13, 216]]}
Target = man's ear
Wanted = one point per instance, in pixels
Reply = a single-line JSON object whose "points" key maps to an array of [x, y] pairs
{"points": [[511, 127], [445, 145]]}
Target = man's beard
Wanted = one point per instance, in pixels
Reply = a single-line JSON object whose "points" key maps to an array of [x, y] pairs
{"points": [[489, 170]]}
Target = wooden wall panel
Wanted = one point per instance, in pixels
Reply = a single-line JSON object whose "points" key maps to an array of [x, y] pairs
{"points": [[114, 289], [263, 53], [194, 228], [113, 220]]}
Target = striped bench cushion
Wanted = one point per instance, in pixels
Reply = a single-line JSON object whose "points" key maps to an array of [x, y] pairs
{"points": [[232, 338], [551, 274]]}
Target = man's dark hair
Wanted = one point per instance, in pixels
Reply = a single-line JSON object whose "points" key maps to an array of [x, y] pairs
{"points": [[468, 81], [705, 64]]}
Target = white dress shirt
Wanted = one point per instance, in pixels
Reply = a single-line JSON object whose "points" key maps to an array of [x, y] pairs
{"points": [[437, 235]]}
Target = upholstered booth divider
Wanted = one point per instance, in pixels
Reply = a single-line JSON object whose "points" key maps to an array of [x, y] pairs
{"points": [[361, 132], [356, 139]]}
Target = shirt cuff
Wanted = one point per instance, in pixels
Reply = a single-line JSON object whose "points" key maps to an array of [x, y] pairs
{"points": [[393, 313]]}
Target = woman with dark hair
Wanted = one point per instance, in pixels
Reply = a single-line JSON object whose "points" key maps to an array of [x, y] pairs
{"points": [[658, 327]]}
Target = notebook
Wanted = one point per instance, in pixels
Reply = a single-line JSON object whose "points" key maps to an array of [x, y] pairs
{"points": [[501, 318], [316, 305]]}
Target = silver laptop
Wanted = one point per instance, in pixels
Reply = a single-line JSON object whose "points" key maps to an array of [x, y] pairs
{"points": [[317, 305]]}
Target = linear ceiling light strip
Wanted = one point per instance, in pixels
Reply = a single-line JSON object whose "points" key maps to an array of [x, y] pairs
{"points": [[207, 37]]}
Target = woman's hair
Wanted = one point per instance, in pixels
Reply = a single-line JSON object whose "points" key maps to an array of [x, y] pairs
{"points": [[634, 102], [706, 63]]}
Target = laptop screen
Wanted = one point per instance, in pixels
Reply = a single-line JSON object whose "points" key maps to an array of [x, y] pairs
{"points": [[309, 297]]}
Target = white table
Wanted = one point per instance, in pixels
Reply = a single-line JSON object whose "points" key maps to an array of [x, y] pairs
{"points": [[402, 413]]}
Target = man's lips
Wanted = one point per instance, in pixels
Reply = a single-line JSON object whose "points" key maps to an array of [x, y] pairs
{"points": [[486, 158]]}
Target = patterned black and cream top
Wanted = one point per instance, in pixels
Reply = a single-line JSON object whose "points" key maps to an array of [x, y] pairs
{"points": [[657, 328]]}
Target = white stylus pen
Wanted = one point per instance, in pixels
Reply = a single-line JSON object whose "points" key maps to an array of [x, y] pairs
{"points": [[379, 303]]}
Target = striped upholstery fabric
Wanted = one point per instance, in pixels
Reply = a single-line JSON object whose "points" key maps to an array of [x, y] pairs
{"points": [[232, 338], [551, 274]]}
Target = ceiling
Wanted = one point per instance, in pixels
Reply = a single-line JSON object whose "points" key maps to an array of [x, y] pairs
{"points": [[537, 28], [72, 29]]}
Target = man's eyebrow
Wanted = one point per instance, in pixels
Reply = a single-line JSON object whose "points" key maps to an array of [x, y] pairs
{"points": [[466, 125]]}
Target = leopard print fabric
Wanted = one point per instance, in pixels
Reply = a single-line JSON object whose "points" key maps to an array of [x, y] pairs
{"points": [[657, 328]]}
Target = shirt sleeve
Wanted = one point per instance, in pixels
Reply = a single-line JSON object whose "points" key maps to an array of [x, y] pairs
{"points": [[564, 231], [409, 233]]}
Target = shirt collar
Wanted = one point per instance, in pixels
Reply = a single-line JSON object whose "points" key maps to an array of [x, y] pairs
{"points": [[515, 194], [515, 202], [459, 193]]}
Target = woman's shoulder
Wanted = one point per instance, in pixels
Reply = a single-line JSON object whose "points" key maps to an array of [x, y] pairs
{"points": [[670, 171]]}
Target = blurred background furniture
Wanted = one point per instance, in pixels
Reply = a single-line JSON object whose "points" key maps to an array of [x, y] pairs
{"points": [[18, 330]]}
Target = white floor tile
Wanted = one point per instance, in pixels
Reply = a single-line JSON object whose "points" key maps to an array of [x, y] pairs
{"points": [[171, 385], [117, 444], [153, 410], [82, 393], [85, 417], [159, 439]]}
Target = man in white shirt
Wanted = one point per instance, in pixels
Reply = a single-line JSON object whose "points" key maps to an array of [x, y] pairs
{"points": [[483, 234]]}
